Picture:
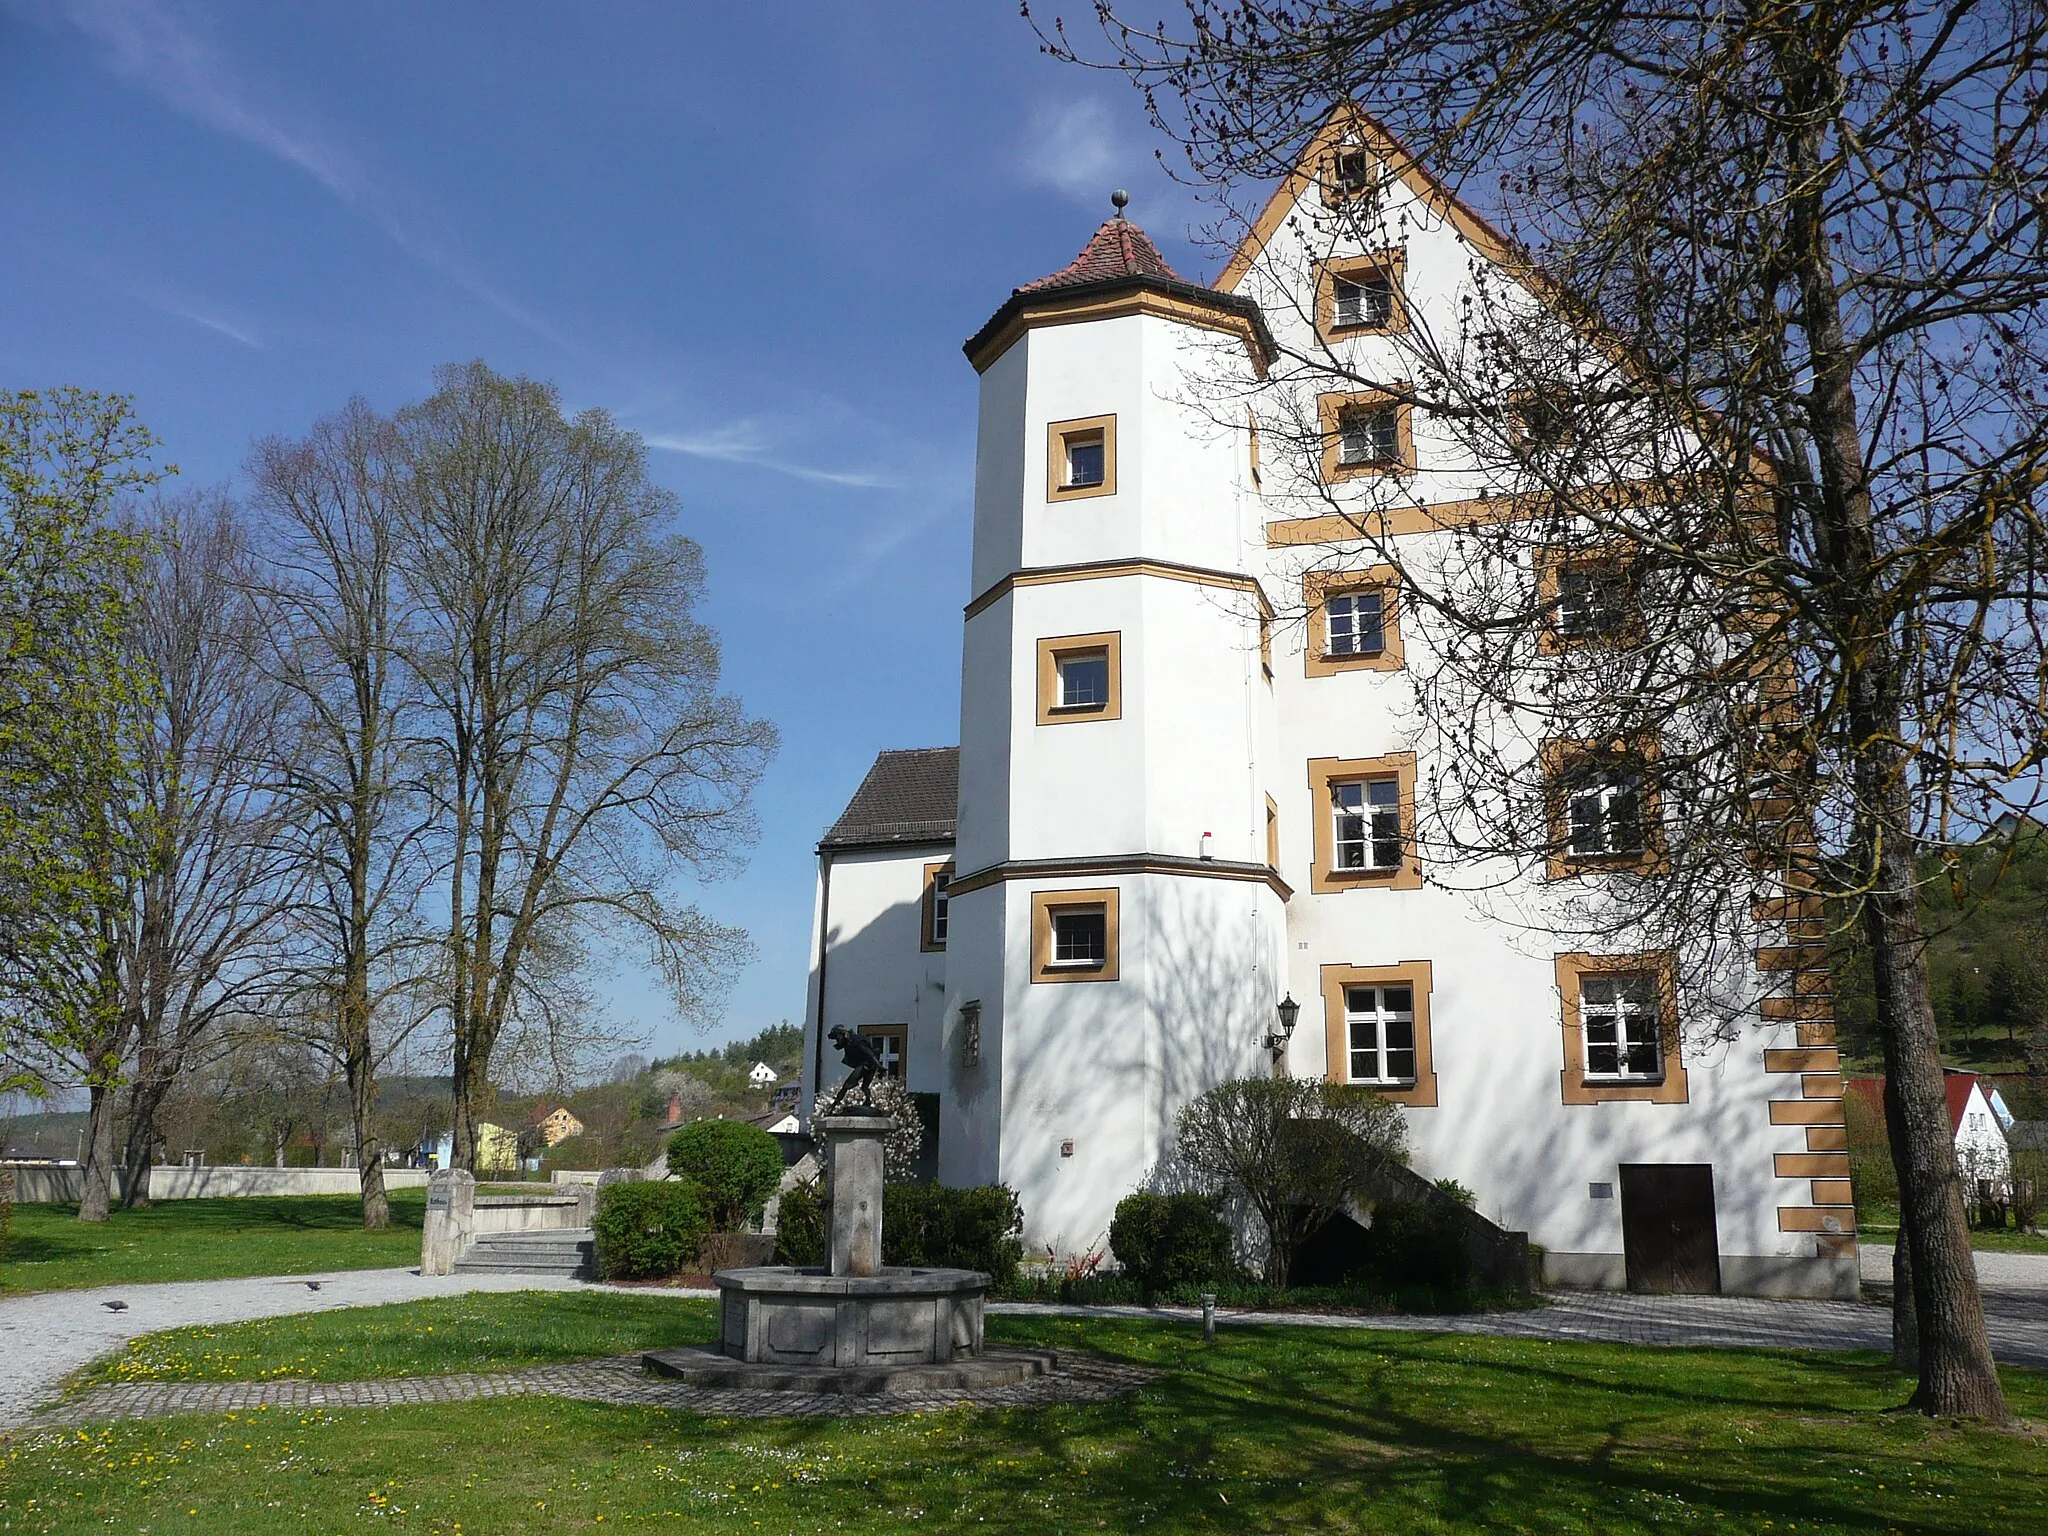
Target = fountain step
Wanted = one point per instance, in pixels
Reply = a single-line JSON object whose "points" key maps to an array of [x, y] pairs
{"points": [[706, 1367]]}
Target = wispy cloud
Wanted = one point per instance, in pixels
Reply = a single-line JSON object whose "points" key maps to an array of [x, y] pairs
{"points": [[1073, 147], [140, 41], [749, 442], [198, 312]]}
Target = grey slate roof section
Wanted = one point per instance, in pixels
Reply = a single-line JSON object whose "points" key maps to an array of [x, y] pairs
{"points": [[907, 797]]}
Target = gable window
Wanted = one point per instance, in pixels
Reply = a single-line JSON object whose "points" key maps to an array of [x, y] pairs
{"points": [[888, 1041], [1368, 824], [1361, 295], [1369, 435], [1350, 174], [1074, 936], [1078, 678], [1364, 300], [1355, 624], [937, 879], [1080, 458], [1364, 823], [1365, 434], [1379, 1030], [1624, 1028], [1604, 811], [1620, 1029]]}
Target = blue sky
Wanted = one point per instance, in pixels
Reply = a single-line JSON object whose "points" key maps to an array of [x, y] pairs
{"points": [[757, 234]]}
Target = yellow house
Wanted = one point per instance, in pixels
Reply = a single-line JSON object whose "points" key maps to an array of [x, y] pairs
{"points": [[497, 1149], [558, 1125]]}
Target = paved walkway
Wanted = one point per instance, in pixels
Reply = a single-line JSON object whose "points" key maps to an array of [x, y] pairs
{"points": [[46, 1336], [617, 1380], [2019, 1274]]}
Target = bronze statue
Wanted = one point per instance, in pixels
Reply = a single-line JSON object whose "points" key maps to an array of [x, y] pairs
{"points": [[862, 1063]]}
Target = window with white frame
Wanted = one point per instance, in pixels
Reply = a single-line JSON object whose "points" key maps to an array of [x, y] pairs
{"points": [[1367, 813], [1083, 679], [1355, 624], [1379, 1028], [1363, 300], [1369, 435], [1593, 599], [888, 1041], [1604, 810], [1087, 459], [1623, 1022], [1080, 938], [939, 882]]}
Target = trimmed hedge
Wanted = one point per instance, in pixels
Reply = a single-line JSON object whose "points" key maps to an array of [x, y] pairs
{"points": [[1168, 1240], [924, 1226], [735, 1166], [648, 1229]]}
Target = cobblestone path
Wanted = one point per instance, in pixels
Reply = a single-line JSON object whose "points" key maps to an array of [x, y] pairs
{"points": [[616, 1380]]}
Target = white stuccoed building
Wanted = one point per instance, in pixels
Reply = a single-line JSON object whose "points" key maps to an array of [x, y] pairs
{"points": [[1167, 813]]}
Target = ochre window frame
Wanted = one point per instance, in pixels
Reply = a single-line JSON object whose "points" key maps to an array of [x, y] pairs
{"points": [[1330, 411], [1393, 262], [1556, 758], [1551, 562], [1415, 974], [928, 909], [1318, 587], [1330, 180], [1056, 435], [900, 1033], [1324, 878], [1572, 1082], [1252, 446], [1272, 834], [1043, 904], [1051, 649]]}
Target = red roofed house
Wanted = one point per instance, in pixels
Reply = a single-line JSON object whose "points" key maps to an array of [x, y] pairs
{"points": [[1981, 1148]]}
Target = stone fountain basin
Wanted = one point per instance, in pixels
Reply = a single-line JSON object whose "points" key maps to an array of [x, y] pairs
{"points": [[781, 1315]]}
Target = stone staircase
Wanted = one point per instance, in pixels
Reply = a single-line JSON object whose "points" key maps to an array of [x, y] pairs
{"points": [[557, 1251]]}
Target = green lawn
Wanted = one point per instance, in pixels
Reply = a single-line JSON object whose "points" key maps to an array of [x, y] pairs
{"points": [[206, 1240], [1880, 1224], [482, 1331], [1270, 1429]]}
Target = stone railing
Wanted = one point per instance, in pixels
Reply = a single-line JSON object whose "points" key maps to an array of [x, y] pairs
{"points": [[457, 1215]]}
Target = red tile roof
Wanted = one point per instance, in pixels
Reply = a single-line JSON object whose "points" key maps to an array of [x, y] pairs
{"points": [[1118, 249], [1958, 1085]]}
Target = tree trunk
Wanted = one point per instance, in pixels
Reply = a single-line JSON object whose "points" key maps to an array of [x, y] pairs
{"points": [[362, 1100], [145, 1098], [99, 1155], [1957, 1376], [1905, 1316]]}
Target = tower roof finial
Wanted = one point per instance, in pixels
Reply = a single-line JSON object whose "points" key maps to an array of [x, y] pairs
{"points": [[1120, 200]]}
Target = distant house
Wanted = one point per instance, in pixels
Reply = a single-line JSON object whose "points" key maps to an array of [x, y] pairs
{"points": [[787, 1095], [775, 1121], [762, 1074], [1975, 1118], [558, 1125]]}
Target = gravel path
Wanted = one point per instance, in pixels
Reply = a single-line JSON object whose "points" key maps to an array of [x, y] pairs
{"points": [[2018, 1274]]}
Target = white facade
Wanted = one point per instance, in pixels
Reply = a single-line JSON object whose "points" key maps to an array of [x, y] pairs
{"points": [[1162, 809]]}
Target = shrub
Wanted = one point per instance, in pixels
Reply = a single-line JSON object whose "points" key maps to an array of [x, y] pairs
{"points": [[800, 1224], [734, 1165], [1411, 1244], [648, 1229], [1457, 1192], [1167, 1240], [924, 1226], [933, 1227]]}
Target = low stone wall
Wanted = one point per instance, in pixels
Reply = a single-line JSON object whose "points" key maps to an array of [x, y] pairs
{"points": [[41, 1183], [457, 1216]]}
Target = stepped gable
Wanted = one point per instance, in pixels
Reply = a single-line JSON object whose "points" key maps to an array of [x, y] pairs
{"points": [[907, 797], [1117, 250]]}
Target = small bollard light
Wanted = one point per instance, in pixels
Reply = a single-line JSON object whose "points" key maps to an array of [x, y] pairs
{"points": [[1208, 1317]]}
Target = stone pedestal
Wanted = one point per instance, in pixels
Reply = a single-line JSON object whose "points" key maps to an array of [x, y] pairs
{"points": [[855, 1169], [451, 1220]]}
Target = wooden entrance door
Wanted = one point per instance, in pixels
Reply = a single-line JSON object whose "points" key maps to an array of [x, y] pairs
{"points": [[1667, 1227]]}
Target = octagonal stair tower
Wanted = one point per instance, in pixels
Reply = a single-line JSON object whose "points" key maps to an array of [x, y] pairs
{"points": [[1116, 724]]}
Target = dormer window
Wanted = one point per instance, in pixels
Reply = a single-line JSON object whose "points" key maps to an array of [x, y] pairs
{"points": [[1080, 458]]}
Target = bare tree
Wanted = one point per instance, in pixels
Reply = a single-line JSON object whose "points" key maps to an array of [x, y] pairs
{"points": [[208, 893], [582, 757], [347, 767], [1763, 343]]}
